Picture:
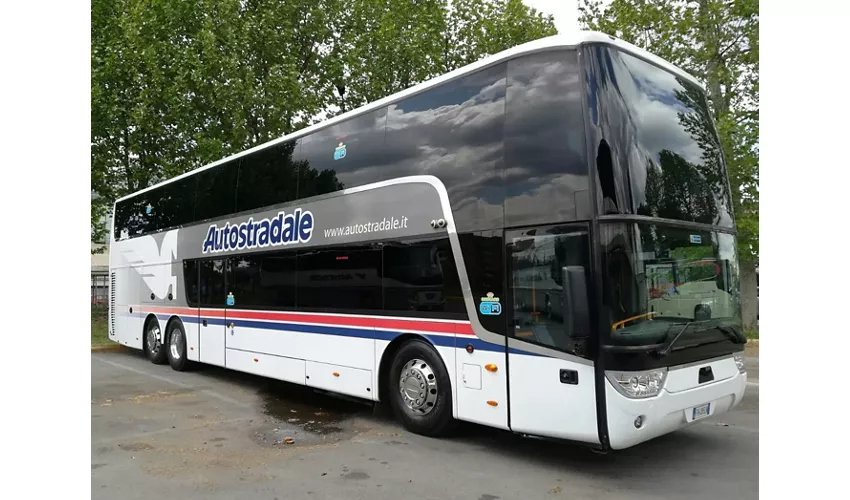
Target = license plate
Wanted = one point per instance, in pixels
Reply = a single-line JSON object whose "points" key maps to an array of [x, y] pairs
{"points": [[701, 411]]}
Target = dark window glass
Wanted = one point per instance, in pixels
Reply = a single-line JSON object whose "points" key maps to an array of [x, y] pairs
{"points": [[657, 150], [546, 171], [543, 310], [134, 216], [190, 281], [421, 276], [455, 133], [265, 280], [243, 276], [483, 255], [121, 220], [211, 283], [348, 279], [173, 204], [169, 205], [344, 155], [267, 177], [216, 192], [277, 280]]}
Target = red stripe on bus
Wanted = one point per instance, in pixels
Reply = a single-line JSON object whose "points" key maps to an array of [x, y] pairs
{"points": [[353, 321]]}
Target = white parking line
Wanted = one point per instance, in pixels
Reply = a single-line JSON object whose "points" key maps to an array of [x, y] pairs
{"points": [[753, 383]]}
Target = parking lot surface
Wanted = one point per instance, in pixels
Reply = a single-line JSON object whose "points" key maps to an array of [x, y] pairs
{"points": [[214, 433]]}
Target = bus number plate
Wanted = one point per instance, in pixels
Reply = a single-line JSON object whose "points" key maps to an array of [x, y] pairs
{"points": [[701, 411]]}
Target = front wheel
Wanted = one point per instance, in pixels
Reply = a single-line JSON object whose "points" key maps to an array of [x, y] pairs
{"points": [[420, 390]]}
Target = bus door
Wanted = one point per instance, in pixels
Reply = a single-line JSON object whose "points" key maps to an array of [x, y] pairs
{"points": [[552, 390], [212, 313]]}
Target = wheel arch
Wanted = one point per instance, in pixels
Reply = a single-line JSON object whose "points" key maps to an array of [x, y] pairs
{"points": [[173, 319], [387, 360], [150, 317]]}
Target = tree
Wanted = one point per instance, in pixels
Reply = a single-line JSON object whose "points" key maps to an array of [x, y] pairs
{"points": [[717, 41], [385, 46], [176, 85]]}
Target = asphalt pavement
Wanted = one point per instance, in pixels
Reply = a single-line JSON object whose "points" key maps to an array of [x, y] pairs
{"points": [[213, 433]]}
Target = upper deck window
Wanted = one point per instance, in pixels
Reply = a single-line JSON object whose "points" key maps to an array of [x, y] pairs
{"points": [[657, 151]]}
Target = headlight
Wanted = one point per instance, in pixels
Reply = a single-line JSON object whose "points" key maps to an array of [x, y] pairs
{"points": [[739, 360], [638, 385]]}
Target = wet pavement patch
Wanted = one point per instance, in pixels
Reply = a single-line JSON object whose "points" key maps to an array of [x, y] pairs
{"points": [[299, 415]]}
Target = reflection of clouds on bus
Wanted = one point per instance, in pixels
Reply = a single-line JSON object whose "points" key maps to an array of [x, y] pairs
{"points": [[538, 89], [667, 161], [455, 133]]}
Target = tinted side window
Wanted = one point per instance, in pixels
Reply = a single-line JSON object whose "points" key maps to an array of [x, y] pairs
{"points": [[483, 257], [348, 279], [190, 282], [546, 170], [421, 276], [211, 283], [544, 311], [133, 216], [265, 280], [344, 155], [216, 192], [267, 177], [455, 132], [173, 204], [277, 280], [243, 276], [121, 220]]}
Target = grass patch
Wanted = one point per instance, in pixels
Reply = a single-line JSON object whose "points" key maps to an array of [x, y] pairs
{"points": [[751, 334], [99, 329]]}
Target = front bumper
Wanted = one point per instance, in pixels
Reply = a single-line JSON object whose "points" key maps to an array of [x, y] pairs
{"points": [[666, 412]]}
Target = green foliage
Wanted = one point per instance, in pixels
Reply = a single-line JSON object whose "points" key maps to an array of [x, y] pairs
{"points": [[718, 42], [176, 85], [99, 325], [385, 46]]}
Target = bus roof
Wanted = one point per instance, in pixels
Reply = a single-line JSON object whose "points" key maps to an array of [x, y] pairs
{"points": [[562, 41]]}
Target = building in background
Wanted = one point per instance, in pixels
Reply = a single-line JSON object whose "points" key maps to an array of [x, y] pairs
{"points": [[99, 274]]}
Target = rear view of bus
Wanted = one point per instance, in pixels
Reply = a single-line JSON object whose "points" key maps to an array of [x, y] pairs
{"points": [[669, 311]]}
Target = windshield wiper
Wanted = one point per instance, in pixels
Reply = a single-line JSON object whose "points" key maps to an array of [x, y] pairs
{"points": [[733, 334], [729, 332], [665, 349]]}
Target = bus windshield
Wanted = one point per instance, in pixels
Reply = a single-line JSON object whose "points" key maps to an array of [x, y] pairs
{"points": [[660, 156], [656, 277]]}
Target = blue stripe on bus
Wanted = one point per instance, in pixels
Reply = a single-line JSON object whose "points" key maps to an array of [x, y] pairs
{"points": [[460, 341]]}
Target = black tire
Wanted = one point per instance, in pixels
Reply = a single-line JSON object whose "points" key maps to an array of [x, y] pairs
{"points": [[437, 419], [154, 349], [176, 347]]}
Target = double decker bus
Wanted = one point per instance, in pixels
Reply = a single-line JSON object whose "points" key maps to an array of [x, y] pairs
{"points": [[520, 243]]}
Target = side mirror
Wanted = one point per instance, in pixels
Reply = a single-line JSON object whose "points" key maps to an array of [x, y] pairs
{"points": [[576, 310]]}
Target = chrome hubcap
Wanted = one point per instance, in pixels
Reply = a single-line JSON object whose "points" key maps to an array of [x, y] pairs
{"points": [[153, 339], [176, 344], [418, 387]]}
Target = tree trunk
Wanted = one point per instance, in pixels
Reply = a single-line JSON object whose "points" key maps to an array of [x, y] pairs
{"points": [[749, 296]]}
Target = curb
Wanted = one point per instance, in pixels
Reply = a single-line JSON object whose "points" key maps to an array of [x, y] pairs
{"points": [[107, 347]]}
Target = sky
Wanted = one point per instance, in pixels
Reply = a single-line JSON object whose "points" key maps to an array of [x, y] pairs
{"points": [[565, 12]]}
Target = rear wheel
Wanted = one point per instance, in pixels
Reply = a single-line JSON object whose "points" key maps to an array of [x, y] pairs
{"points": [[420, 390], [177, 347], [153, 343]]}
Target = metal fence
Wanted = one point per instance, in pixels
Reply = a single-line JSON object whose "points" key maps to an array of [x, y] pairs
{"points": [[99, 289]]}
